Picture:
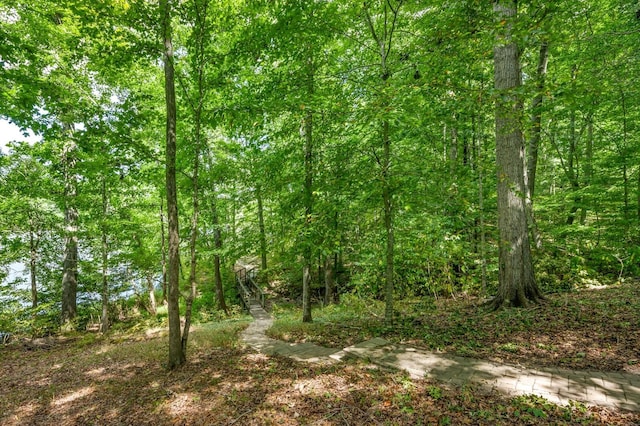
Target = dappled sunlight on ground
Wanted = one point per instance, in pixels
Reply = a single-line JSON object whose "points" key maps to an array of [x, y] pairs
{"points": [[126, 384], [72, 396], [595, 329], [182, 404]]}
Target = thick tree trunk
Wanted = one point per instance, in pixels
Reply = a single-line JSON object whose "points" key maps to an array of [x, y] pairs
{"points": [[176, 352], [517, 284], [70, 263]]}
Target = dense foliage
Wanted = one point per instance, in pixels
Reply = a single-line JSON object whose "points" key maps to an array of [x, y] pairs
{"points": [[322, 133]]}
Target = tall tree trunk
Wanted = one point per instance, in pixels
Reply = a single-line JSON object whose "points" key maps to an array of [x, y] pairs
{"points": [[588, 166], [536, 119], [330, 269], [534, 140], [572, 160], [477, 144], [200, 31], [153, 309], [383, 39], [176, 352], [517, 284], [192, 255], [261, 227], [453, 148], [194, 226], [234, 214], [33, 257], [329, 280], [308, 211], [70, 263], [388, 223], [308, 188], [217, 241], [163, 248], [104, 321], [571, 171], [623, 154]]}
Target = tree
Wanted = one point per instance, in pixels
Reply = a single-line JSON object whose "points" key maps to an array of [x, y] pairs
{"points": [[70, 263], [177, 354], [383, 37], [517, 283]]}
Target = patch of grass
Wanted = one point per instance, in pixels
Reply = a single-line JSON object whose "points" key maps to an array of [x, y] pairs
{"points": [[349, 322], [434, 392], [509, 347], [224, 334]]}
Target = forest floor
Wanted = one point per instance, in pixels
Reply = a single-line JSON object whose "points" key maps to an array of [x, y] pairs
{"points": [[119, 379], [590, 329]]}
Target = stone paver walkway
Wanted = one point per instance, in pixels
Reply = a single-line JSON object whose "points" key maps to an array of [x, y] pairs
{"points": [[609, 389], [255, 337]]}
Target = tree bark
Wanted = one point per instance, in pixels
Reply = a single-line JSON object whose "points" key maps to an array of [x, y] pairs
{"points": [[536, 119], [263, 235], [163, 249], [571, 164], [388, 224], [623, 154], [383, 40], [329, 280], [176, 352], [194, 224], [477, 144], [104, 321], [588, 166], [517, 284], [217, 241], [534, 140], [153, 309], [70, 263], [308, 211], [33, 257]]}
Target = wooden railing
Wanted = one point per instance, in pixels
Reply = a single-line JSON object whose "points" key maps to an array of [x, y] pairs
{"points": [[247, 287]]}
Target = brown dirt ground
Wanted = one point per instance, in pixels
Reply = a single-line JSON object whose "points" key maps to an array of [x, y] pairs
{"points": [[122, 382]]}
